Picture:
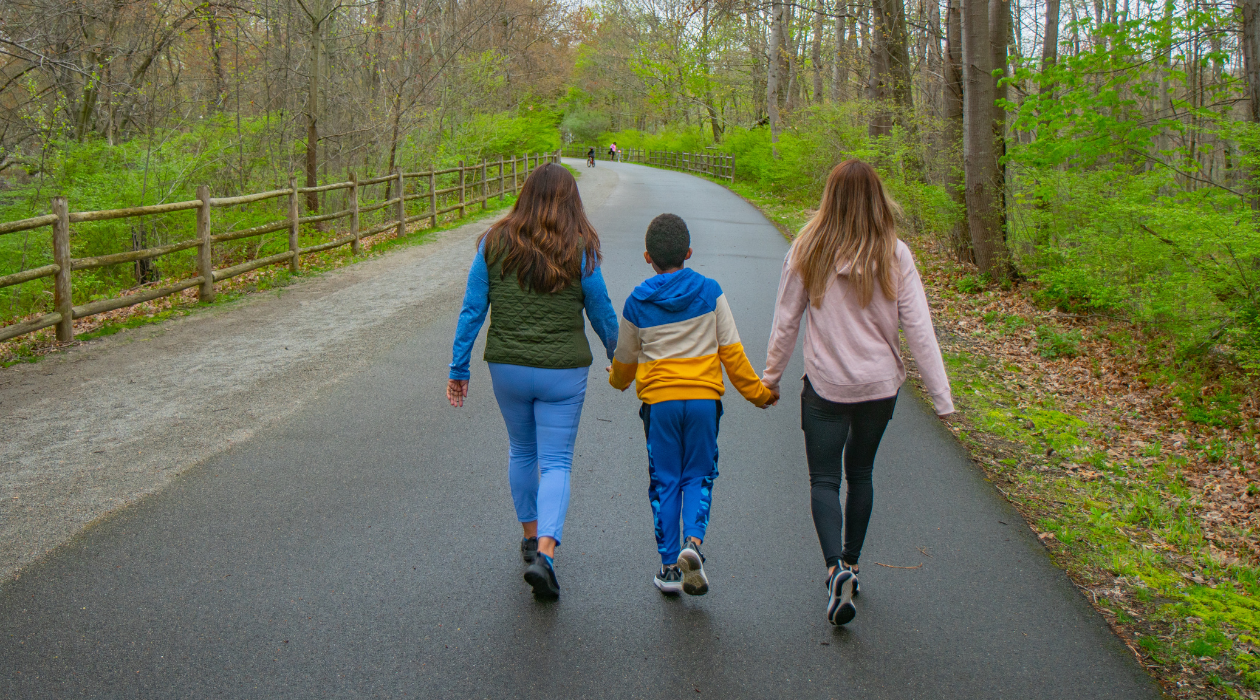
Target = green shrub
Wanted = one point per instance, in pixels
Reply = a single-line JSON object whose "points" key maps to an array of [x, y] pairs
{"points": [[972, 284], [1053, 343]]}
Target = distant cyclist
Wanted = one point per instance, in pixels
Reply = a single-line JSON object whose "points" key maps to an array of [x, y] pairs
{"points": [[590, 157]]}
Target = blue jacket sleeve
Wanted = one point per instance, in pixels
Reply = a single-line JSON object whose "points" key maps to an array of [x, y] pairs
{"points": [[476, 304], [599, 310]]}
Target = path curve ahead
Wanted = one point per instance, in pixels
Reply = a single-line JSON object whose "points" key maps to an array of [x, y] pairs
{"points": [[365, 546]]}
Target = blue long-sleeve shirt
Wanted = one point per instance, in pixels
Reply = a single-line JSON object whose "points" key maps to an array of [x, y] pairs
{"points": [[599, 310]]}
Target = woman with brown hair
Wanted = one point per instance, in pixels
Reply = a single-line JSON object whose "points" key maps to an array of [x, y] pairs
{"points": [[538, 268], [853, 367]]}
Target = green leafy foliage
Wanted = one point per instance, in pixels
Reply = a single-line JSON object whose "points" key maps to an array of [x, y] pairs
{"points": [[1053, 343], [815, 142], [169, 165], [1116, 212]]}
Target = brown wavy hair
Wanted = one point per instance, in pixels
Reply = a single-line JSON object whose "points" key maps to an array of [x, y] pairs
{"points": [[546, 235], [855, 227]]}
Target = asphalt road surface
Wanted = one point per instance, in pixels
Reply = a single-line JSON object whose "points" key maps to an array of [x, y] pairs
{"points": [[366, 546]]}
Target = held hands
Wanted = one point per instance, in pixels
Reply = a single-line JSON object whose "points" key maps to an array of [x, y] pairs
{"points": [[774, 395], [774, 400], [456, 391]]}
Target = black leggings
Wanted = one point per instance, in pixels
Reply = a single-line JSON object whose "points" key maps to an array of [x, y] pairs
{"points": [[840, 442]]}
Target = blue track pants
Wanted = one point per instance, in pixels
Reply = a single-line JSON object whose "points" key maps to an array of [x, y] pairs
{"points": [[542, 409], [682, 465]]}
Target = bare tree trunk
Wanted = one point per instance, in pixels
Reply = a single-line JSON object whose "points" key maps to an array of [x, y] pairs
{"points": [[708, 78], [983, 183], [839, 58], [791, 65], [960, 237], [1050, 44], [757, 50], [216, 59], [317, 15], [1251, 62], [815, 53], [772, 74], [890, 64], [1000, 36]]}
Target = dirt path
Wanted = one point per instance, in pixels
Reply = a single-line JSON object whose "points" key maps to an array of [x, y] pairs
{"points": [[92, 429]]}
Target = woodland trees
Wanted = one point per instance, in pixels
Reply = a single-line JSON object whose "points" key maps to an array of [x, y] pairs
{"points": [[1110, 150], [344, 81]]}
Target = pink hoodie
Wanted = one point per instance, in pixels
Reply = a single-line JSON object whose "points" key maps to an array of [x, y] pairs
{"points": [[852, 353]]}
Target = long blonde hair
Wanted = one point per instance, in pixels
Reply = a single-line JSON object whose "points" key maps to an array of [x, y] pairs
{"points": [[856, 226]]}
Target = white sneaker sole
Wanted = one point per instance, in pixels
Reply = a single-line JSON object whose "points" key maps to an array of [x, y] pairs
{"points": [[840, 608], [694, 581]]}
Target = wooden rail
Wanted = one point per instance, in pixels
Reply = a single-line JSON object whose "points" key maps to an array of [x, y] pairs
{"points": [[476, 179], [718, 165]]}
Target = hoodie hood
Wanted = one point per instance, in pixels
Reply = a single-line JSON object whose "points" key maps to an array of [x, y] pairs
{"points": [[672, 292]]}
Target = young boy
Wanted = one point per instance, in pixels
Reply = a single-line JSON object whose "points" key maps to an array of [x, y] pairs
{"points": [[676, 334]]}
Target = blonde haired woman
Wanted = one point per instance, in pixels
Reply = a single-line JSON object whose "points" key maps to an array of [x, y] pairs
{"points": [[854, 283]]}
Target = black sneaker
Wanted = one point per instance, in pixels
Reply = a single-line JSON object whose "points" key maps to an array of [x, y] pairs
{"points": [[691, 561], [840, 609], [542, 576], [529, 549], [669, 580], [853, 568]]}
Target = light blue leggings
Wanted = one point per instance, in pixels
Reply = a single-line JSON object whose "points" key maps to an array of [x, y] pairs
{"points": [[542, 409]]}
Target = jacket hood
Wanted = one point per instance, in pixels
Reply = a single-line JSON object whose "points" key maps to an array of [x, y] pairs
{"points": [[672, 292]]}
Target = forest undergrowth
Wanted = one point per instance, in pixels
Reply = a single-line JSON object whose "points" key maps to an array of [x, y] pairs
{"points": [[1134, 464]]}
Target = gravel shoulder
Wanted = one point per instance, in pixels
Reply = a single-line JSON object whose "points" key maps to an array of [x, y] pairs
{"points": [[105, 423]]}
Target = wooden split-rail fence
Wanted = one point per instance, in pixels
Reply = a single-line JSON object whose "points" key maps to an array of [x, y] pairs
{"points": [[718, 165], [424, 186]]}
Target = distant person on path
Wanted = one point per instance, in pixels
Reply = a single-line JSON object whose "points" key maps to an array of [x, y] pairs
{"points": [[590, 157], [855, 283], [677, 333], [612, 151], [538, 268]]}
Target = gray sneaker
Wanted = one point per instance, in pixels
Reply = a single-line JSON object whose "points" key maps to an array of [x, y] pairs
{"points": [[691, 561], [669, 580]]}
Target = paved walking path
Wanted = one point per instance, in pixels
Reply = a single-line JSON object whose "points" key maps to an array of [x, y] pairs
{"points": [[365, 546]]}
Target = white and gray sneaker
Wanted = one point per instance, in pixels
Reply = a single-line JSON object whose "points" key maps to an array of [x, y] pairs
{"points": [[669, 580], [691, 561], [854, 569], [840, 588]]}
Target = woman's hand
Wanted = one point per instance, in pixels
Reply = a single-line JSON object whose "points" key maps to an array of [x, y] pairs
{"points": [[456, 391]]}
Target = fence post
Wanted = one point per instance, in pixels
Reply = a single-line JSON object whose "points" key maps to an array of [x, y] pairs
{"points": [[354, 213], [502, 184], [293, 225], [515, 186], [432, 197], [205, 247], [62, 298], [462, 211], [402, 205], [732, 166], [485, 185]]}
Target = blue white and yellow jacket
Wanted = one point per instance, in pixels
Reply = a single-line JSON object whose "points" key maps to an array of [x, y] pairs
{"points": [[676, 334]]}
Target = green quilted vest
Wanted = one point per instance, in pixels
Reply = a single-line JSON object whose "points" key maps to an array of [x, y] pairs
{"points": [[535, 330]]}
